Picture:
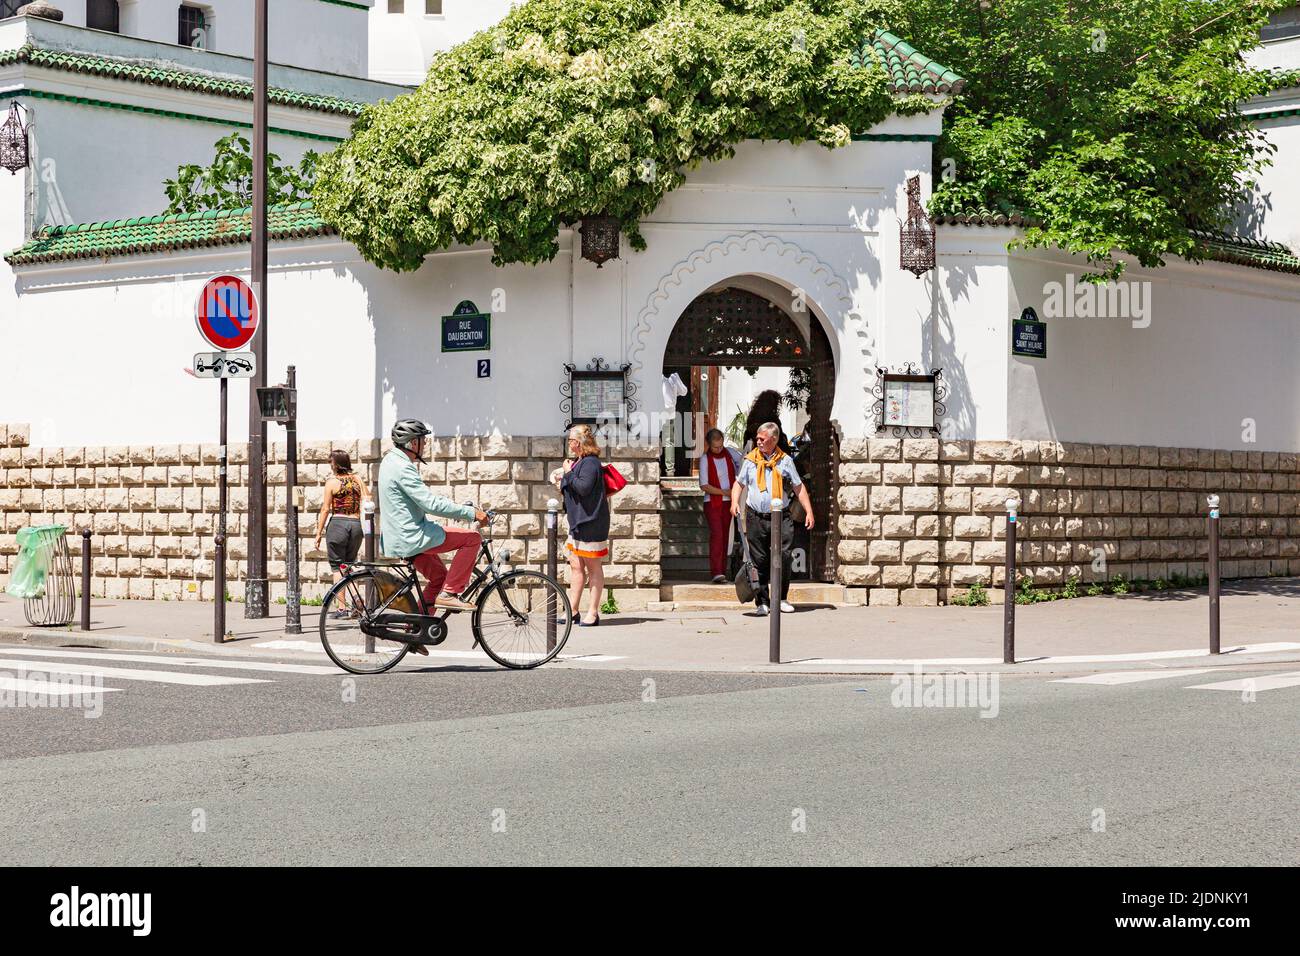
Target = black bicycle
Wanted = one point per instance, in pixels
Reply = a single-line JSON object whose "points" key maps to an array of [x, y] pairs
{"points": [[372, 616]]}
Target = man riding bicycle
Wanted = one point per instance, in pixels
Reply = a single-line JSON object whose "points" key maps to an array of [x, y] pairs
{"points": [[405, 503]]}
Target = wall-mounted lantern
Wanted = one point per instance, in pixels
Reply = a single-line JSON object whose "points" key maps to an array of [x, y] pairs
{"points": [[600, 237], [14, 154], [916, 236]]}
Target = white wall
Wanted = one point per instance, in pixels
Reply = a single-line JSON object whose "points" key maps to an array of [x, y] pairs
{"points": [[1274, 214], [819, 224], [961, 319], [1221, 348], [96, 356], [91, 164], [312, 34], [403, 44]]}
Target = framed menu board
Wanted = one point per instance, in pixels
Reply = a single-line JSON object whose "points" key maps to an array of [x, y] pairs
{"points": [[597, 394], [909, 401]]}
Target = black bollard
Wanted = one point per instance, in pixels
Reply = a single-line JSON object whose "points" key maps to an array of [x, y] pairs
{"points": [[1213, 501], [85, 579], [552, 566], [774, 587], [1009, 587]]}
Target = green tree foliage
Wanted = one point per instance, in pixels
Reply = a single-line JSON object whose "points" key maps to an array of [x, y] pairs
{"points": [[1113, 124], [227, 183], [573, 107]]}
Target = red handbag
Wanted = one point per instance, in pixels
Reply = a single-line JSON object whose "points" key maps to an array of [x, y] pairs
{"points": [[614, 480]]}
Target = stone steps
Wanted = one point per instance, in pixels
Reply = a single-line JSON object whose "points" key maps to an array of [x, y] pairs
{"points": [[722, 597]]}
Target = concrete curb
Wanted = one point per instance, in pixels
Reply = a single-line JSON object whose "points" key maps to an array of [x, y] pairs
{"points": [[64, 637], [61, 637]]}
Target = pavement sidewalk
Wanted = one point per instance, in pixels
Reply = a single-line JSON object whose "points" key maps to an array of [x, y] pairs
{"points": [[1261, 623]]}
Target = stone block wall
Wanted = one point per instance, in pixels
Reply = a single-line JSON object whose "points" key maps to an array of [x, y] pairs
{"points": [[152, 509], [922, 520]]}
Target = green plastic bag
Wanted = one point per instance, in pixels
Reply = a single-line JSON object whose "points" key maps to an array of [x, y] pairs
{"points": [[35, 546]]}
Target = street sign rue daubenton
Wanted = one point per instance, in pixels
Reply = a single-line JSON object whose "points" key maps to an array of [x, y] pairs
{"points": [[1029, 335], [467, 329], [227, 312]]}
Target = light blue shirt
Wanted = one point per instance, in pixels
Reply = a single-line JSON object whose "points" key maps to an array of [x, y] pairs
{"points": [[405, 501], [761, 501]]}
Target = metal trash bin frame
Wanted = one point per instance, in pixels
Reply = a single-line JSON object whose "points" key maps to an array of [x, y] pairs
{"points": [[57, 606]]}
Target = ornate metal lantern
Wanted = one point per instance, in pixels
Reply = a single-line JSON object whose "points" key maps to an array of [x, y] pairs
{"points": [[916, 235], [600, 237], [13, 141]]}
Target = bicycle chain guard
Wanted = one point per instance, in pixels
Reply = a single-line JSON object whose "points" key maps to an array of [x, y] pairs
{"points": [[407, 628]]}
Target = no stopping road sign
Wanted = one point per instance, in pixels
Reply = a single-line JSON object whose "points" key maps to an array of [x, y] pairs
{"points": [[227, 312]]}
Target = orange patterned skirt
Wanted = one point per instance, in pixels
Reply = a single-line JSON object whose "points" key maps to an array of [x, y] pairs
{"points": [[587, 549]]}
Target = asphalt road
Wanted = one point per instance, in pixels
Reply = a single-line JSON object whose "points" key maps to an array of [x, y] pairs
{"points": [[568, 766]]}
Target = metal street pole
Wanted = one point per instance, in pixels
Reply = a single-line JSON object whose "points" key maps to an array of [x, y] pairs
{"points": [[255, 596], [293, 599], [219, 597], [1213, 502]]}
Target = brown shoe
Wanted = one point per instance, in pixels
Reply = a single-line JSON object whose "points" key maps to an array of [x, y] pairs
{"points": [[452, 603], [418, 649]]}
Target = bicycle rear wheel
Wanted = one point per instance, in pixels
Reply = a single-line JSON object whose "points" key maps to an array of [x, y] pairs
{"points": [[341, 613], [511, 619]]}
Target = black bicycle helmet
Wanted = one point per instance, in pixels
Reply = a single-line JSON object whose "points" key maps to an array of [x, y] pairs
{"points": [[407, 431]]}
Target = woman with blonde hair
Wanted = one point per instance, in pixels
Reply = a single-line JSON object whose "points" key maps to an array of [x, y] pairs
{"points": [[582, 482]]}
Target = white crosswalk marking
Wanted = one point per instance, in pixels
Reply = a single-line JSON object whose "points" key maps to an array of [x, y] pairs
{"points": [[272, 666], [126, 673], [1131, 677], [1262, 682], [47, 688]]}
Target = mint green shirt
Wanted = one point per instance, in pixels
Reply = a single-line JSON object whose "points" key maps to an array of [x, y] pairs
{"points": [[405, 503]]}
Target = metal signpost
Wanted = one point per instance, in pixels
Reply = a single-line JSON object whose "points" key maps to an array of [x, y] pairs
{"points": [[279, 403], [227, 315], [255, 596]]}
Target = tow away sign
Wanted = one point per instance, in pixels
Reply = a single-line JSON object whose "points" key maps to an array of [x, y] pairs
{"points": [[225, 365]]}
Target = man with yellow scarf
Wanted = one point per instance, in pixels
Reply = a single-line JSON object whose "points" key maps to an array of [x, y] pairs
{"points": [[768, 474]]}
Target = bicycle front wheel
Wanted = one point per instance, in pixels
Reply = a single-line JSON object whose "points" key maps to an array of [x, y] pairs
{"points": [[523, 619], [345, 606]]}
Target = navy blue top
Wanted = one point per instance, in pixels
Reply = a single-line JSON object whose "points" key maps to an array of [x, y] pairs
{"points": [[584, 500]]}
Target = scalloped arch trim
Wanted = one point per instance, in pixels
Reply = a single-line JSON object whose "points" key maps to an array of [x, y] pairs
{"points": [[773, 258]]}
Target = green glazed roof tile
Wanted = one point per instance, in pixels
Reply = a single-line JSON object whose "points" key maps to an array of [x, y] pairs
{"points": [[1257, 253], [98, 65], [1215, 246], [909, 70], [99, 240]]}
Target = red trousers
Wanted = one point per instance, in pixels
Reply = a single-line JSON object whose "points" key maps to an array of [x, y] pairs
{"points": [[718, 515], [465, 544]]}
